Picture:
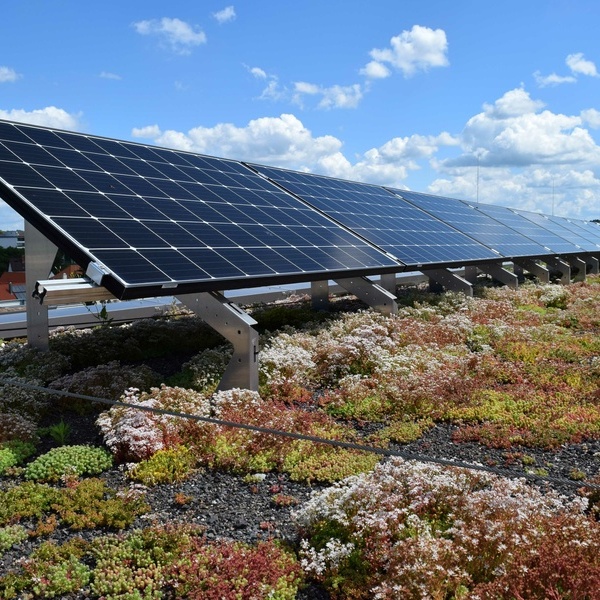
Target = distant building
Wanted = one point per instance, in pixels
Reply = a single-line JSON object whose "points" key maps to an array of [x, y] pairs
{"points": [[12, 288], [15, 239]]}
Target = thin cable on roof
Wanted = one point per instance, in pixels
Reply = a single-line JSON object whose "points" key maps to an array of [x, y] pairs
{"points": [[310, 438]]}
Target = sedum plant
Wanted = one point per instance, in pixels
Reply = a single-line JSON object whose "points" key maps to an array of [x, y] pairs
{"points": [[230, 570], [13, 453], [11, 535], [410, 530], [106, 380], [165, 466], [68, 461], [134, 435], [133, 565], [82, 504], [51, 571]]}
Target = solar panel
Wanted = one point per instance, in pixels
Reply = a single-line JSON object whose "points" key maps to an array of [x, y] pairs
{"points": [[156, 219], [555, 243], [397, 227], [560, 227], [591, 228], [579, 228], [485, 229]]}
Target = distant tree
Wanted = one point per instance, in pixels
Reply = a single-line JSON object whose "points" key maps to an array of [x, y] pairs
{"points": [[6, 254], [595, 220]]}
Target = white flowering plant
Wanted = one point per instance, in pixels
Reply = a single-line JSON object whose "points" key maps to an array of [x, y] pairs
{"points": [[411, 530]]}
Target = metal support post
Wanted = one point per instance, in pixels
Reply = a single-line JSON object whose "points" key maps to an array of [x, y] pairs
{"points": [[471, 273], [499, 273], [370, 293], [495, 270], [319, 291], [532, 267], [237, 327], [388, 282], [579, 265], [559, 265], [593, 265], [40, 254], [448, 280]]}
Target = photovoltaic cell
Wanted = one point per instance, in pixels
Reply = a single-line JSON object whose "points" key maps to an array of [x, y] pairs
{"points": [[397, 227], [156, 219], [545, 237], [578, 228], [592, 229], [560, 227], [485, 229]]}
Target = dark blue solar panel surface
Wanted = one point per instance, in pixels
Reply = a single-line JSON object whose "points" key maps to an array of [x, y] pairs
{"points": [[161, 218], [592, 229], [399, 228], [531, 230], [576, 227], [557, 226], [487, 230]]}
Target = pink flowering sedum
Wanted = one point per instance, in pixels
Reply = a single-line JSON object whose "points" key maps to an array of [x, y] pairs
{"points": [[134, 435]]}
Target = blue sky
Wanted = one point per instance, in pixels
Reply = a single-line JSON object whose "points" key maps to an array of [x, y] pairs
{"points": [[492, 102]]}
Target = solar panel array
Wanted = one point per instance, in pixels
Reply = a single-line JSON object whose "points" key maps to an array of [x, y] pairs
{"points": [[401, 229], [493, 233], [159, 221], [158, 218], [559, 227], [530, 229]]}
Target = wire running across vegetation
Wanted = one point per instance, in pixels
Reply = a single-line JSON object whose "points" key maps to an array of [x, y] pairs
{"points": [[310, 438]]}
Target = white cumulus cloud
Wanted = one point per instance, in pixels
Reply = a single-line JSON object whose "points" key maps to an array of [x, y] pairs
{"points": [[8, 75], [553, 79], [51, 116], [258, 72], [516, 131], [578, 64], [225, 15], [149, 132], [591, 117], [518, 153], [416, 50], [178, 35], [335, 96]]}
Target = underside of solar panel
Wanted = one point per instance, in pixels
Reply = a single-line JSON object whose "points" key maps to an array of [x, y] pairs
{"points": [[152, 221]]}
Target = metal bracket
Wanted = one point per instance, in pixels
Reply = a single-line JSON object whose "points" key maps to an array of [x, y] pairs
{"points": [[236, 326], [388, 282], [579, 264], [561, 266], [319, 292], [593, 265], [40, 256], [69, 291], [495, 270], [532, 267], [450, 281], [370, 293]]}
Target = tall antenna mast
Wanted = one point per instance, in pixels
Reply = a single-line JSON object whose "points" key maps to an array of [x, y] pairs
{"points": [[478, 178]]}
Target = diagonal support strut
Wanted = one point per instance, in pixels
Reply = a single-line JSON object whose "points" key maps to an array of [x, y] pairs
{"points": [[237, 327]]}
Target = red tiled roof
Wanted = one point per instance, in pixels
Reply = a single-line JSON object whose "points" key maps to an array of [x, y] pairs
{"points": [[16, 278]]}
